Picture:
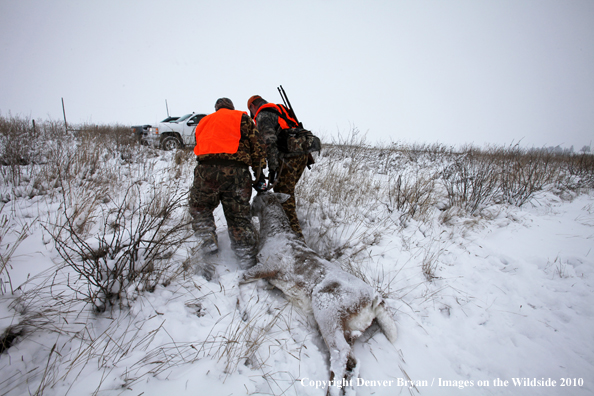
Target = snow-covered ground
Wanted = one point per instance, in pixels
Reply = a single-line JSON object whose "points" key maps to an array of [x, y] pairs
{"points": [[503, 307]]}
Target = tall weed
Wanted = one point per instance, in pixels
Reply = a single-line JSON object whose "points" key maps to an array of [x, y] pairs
{"points": [[132, 249]]}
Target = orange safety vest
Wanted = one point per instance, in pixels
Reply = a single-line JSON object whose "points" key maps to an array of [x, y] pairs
{"points": [[284, 120], [219, 132]]}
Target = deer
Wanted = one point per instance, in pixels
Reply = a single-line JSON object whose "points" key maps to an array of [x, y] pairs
{"points": [[342, 305]]}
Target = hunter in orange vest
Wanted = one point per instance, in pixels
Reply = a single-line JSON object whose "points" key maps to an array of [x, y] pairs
{"points": [[270, 119], [227, 145]]}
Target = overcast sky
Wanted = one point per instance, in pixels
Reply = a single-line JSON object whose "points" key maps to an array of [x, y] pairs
{"points": [[454, 72]]}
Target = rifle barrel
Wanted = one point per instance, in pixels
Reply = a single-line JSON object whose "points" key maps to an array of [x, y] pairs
{"points": [[283, 95]]}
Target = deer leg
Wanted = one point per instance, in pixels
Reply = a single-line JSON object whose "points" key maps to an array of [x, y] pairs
{"points": [[340, 350]]}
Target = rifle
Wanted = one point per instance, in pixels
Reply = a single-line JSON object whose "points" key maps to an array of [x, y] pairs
{"points": [[287, 104]]}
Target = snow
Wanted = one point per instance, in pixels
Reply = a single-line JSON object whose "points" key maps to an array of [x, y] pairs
{"points": [[510, 299]]}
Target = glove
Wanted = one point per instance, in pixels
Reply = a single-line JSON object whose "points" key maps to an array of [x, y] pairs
{"points": [[260, 184]]}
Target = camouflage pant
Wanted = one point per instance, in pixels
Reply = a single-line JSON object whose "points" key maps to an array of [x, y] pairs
{"points": [[232, 187], [291, 173]]}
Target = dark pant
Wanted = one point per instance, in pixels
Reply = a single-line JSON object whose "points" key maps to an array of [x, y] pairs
{"points": [[291, 172], [232, 187]]}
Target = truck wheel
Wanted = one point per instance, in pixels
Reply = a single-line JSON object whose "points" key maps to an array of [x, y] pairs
{"points": [[170, 143]]}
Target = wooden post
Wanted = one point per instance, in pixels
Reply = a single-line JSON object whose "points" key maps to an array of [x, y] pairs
{"points": [[64, 111]]}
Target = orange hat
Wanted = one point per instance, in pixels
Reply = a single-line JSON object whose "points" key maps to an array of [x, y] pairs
{"points": [[252, 100]]}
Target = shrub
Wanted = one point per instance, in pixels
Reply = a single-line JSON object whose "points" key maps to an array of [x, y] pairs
{"points": [[130, 253]]}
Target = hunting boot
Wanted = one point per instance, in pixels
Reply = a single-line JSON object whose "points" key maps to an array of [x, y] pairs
{"points": [[246, 255], [200, 260], [201, 263]]}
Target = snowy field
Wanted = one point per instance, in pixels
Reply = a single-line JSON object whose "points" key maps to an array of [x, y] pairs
{"points": [[489, 299]]}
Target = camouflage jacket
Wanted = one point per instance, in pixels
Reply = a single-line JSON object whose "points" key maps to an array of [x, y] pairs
{"points": [[251, 147], [268, 126]]}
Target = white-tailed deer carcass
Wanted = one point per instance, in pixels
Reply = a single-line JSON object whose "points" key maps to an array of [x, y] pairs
{"points": [[342, 305]]}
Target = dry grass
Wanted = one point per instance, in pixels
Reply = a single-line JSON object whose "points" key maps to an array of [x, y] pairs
{"points": [[132, 248], [7, 248], [120, 226], [356, 194]]}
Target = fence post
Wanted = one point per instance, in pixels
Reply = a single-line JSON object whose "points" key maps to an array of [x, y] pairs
{"points": [[64, 111]]}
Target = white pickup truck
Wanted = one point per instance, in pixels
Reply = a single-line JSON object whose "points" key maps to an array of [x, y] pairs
{"points": [[175, 134]]}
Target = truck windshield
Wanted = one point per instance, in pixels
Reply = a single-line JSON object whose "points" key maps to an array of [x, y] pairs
{"points": [[183, 118]]}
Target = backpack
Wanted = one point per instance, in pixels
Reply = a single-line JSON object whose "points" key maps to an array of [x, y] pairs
{"points": [[297, 141], [293, 140]]}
